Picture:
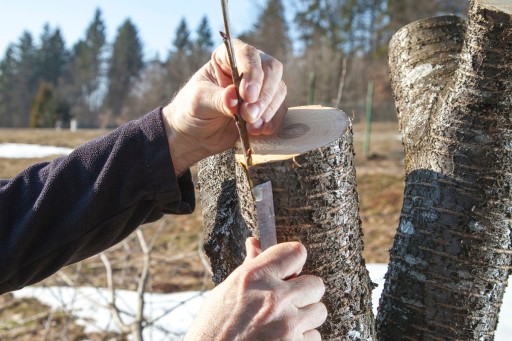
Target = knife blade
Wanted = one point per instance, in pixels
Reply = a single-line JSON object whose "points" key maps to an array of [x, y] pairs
{"points": [[264, 202]]}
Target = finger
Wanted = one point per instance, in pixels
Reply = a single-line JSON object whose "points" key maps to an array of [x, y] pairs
{"points": [[253, 248], [255, 128], [312, 335], [209, 100], [312, 316], [270, 127], [272, 93], [222, 75], [249, 66], [271, 119], [307, 290], [275, 103], [282, 260], [230, 101]]}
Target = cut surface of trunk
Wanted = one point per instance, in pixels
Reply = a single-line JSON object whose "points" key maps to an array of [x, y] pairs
{"points": [[452, 253], [310, 164]]}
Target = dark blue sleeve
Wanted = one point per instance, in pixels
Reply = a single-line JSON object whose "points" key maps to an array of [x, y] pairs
{"points": [[57, 213]]}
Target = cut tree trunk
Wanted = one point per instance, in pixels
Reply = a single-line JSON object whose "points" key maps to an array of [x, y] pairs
{"points": [[452, 253], [310, 164]]}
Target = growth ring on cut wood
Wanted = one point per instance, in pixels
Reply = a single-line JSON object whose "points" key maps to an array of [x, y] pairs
{"points": [[303, 129]]}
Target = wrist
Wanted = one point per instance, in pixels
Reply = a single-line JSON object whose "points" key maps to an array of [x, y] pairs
{"points": [[184, 149]]}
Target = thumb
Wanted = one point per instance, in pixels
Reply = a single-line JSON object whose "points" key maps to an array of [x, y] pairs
{"points": [[210, 100], [222, 100], [230, 101], [253, 248]]}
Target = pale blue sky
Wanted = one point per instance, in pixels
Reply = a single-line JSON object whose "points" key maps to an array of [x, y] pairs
{"points": [[156, 19]]}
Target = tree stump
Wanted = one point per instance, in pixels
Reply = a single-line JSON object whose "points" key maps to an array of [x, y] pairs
{"points": [[310, 164], [452, 253]]}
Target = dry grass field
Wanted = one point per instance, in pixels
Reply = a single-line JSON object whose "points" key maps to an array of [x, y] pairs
{"points": [[178, 263]]}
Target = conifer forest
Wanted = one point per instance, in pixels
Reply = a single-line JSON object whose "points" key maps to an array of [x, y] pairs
{"points": [[331, 49]]}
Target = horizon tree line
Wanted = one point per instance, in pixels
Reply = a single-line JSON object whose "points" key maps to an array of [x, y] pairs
{"points": [[340, 44]]}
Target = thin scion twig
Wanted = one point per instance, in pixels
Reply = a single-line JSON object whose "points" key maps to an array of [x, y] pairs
{"points": [[237, 79]]}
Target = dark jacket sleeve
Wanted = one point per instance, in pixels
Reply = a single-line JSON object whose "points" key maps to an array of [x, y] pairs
{"points": [[57, 213]]}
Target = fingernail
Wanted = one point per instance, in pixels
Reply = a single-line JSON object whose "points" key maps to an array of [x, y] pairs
{"points": [[258, 124], [252, 92], [254, 110], [233, 103]]}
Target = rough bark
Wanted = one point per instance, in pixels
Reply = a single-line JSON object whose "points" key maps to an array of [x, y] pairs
{"points": [[315, 202], [452, 253], [225, 228]]}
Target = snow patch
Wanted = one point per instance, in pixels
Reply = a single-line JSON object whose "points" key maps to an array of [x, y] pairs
{"points": [[172, 313], [24, 151]]}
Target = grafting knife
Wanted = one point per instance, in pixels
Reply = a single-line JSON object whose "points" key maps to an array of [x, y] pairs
{"points": [[264, 202], [262, 194]]}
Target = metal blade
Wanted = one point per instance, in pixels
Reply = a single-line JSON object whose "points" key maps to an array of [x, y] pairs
{"points": [[266, 216]]}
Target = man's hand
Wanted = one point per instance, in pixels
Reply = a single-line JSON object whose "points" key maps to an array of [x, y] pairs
{"points": [[199, 121], [264, 299]]}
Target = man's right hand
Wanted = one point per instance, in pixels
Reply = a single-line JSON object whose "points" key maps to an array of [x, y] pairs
{"points": [[199, 122], [264, 299]]}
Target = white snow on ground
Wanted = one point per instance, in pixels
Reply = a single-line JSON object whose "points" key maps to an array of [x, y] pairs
{"points": [[86, 303], [20, 151], [172, 313]]}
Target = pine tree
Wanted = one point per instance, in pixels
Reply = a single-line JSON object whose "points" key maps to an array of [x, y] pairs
{"points": [[204, 35], [8, 74], [52, 55], [202, 46], [90, 53], [126, 64], [182, 40], [18, 82], [179, 62], [86, 72], [27, 78]]}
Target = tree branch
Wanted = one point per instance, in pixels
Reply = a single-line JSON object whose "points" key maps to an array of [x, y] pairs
{"points": [[112, 305]]}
